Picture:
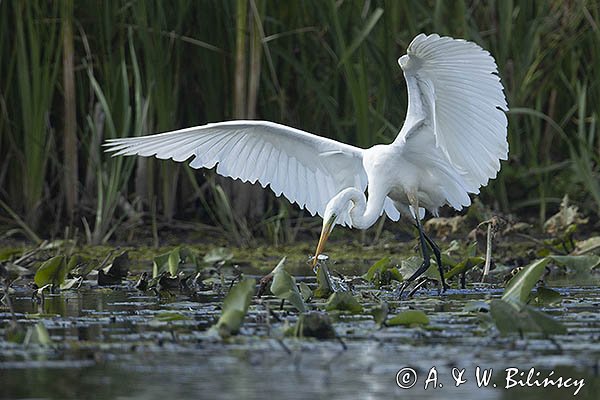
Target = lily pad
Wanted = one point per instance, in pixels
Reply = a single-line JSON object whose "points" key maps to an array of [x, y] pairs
{"points": [[53, 271], [520, 286], [235, 306], [510, 318], [380, 313], [324, 285], [305, 291], [584, 263], [343, 301], [464, 266], [220, 254], [284, 286], [382, 273], [545, 296], [409, 318]]}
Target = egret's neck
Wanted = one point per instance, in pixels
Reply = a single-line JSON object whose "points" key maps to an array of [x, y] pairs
{"points": [[364, 213]]}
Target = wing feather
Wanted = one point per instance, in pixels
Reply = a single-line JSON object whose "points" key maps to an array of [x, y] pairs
{"points": [[307, 169], [455, 94]]}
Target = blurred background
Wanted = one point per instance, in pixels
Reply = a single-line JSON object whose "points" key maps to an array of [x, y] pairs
{"points": [[75, 73]]}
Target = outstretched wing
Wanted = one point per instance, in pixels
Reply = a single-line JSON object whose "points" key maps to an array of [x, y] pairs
{"points": [[307, 169], [455, 92]]}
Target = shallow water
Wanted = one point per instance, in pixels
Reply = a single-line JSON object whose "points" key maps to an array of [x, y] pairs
{"points": [[119, 343]]}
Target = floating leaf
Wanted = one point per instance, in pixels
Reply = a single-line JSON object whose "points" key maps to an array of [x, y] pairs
{"points": [[284, 286], [53, 271], [588, 246], [518, 289], [314, 324], [174, 261], [343, 301], [324, 284], [169, 316], [583, 263], [81, 266], [380, 313], [220, 254], [409, 318], [382, 273], [71, 283], [6, 254], [411, 264], [545, 296], [464, 266], [510, 318], [160, 264], [235, 306], [305, 292], [477, 306]]}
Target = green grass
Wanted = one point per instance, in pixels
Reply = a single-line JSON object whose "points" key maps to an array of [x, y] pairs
{"points": [[321, 65]]}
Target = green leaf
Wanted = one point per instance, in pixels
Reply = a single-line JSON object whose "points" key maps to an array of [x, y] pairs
{"points": [[6, 254], [169, 316], [305, 292], [160, 264], [477, 306], [409, 318], [588, 246], [518, 289], [545, 296], [324, 285], [70, 283], [378, 266], [464, 266], [380, 313], [343, 301], [411, 264], [218, 255], [583, 263], [174, 261], [53, 271], [284, 286], [382, 273], [510, 318], [235, 306]]}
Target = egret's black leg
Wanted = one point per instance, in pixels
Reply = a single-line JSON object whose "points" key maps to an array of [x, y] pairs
{"points": [[426, 259], [438, 259]]}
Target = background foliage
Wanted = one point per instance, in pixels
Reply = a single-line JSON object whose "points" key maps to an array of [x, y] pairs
{"points": [[76, 73]]}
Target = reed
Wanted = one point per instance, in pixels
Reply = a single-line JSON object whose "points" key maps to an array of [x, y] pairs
{"points": [[74, 76]]}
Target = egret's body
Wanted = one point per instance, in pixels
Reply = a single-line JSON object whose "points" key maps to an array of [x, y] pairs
{"points": [[450, 145]]}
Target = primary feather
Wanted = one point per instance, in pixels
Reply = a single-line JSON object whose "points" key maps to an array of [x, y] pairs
{"points": [[307, 169], [455, 95]]}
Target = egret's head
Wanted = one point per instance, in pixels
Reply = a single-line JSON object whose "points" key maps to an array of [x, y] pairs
{"points": [[337, 211]]}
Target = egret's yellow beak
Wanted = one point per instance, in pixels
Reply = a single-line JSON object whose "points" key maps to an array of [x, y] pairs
{"points": [[325, 231]]}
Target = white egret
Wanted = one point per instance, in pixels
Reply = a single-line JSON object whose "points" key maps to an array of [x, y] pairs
{"points": [[450, 145]]}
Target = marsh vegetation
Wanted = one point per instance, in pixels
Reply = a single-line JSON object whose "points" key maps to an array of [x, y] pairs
{"points": [[142, 278]]}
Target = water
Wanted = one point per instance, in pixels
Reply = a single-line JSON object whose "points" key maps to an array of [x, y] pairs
{"points": [[124, 344]]}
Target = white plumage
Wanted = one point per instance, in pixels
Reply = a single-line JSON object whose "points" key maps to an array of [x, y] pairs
{"points": [[451, 144]]}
